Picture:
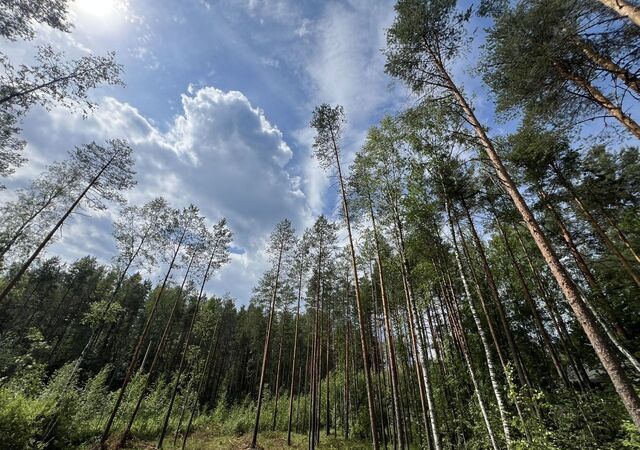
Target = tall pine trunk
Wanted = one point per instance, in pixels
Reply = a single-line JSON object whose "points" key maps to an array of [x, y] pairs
{"points": [[279, 366], [493, 289], [293, 359], [596, 95], [388, 334], [265, 352], [418, 344], [595, 334], [602, 234], [359, 307], [159, 349], [185, 347], [537, 318], [605, 62], [595, 286], [624, 9], [138, 347]]}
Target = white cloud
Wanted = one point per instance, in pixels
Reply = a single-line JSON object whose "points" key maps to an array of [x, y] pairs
{"points": [[278, 10], [304, 29], [221, 154], [347, 68]]}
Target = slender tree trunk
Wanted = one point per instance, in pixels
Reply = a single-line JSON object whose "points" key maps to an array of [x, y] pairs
{"points": [[426, 398], [594, 333], [321, 335], [159, 349], [624, 9], [265, 353], [621, 235], [62, 79], [483, 305], [327, 375], [302, 383], [455, 325], [504, 418], [605, 62], [388, 333], [537, 318], [359, 306], [595, 286], [14, 280], [451, 412], [293, 358], [602, 234], [275, 406], [347, 396], [377, 359], [18, 233], [54, 318], [497, 300], [599, 98], [582, 264], [201, 384], [138, 347], [116, 290], [185, 348], [406, 400], [313, 366]]}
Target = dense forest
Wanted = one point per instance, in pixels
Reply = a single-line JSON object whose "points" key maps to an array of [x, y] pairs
{"points": [[475, 288]]}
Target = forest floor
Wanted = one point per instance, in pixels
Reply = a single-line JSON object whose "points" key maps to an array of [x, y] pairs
{"points": [[266, 441]]}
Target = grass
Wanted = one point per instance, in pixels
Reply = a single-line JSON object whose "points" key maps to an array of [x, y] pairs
{"points": [[201, 440]]}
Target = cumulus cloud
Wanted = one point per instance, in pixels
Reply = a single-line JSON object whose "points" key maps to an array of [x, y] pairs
{"points": [[220, 153]]}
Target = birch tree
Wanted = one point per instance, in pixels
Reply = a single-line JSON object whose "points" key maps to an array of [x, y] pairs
{"points": [[425, 38], [106, 172]]}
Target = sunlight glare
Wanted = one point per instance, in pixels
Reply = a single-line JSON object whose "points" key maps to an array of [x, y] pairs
{"points": [[101, 9]]}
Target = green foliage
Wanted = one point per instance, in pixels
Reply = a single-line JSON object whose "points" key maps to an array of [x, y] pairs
{"points": [[21, 419], [632, 436]]}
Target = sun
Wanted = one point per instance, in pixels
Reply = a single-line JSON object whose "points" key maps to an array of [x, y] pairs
{"points": [[99, 9]]}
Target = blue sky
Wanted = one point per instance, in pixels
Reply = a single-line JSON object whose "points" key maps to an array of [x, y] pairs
{"points": [[217, 102], [218, 97]]}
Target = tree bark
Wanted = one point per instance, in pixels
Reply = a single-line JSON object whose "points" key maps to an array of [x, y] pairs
{"points": [[185, 348], [599, 98], [594, 333], [624, 9], [313, 366], [504, 418], [265, 352], [557, 319], [608, 64], [293, 360], [14, 280], [388, 333], [159, 350], [359, 306], [213, 345], [136, 352], [537, 318], [602, 234], [426, 396], [493, 289], [279, 366], [621, 235]]}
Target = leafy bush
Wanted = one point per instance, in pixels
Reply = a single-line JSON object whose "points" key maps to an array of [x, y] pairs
{"points": [[21, 419]]}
